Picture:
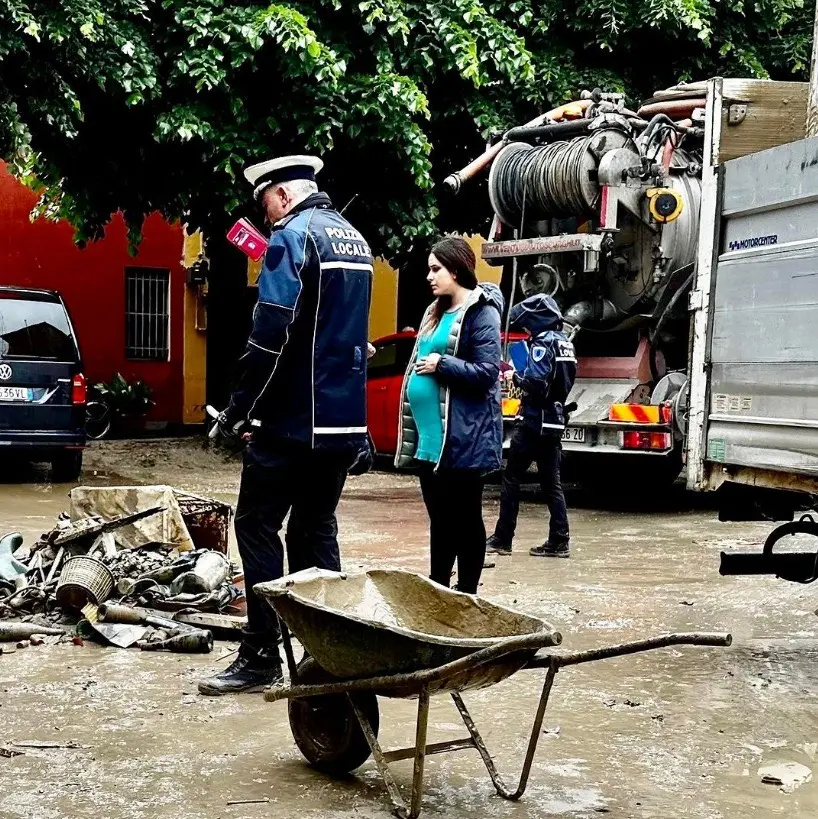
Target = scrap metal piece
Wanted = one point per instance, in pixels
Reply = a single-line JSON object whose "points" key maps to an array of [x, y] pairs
{"points": [[12, 632], [121, 635], [191, 642], [91, 527]]}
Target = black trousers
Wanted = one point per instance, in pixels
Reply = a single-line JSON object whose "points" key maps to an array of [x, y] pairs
{"points": [[527, 446], [275, 480], [454, 502]]}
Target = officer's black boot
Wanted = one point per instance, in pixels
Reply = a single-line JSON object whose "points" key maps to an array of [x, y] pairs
{"points": [[252, 670]]}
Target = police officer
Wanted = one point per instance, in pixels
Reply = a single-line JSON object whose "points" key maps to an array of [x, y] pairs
{"points": [[545, 383], [300, 394]]}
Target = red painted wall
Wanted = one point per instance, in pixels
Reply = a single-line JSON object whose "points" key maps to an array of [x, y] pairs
{"points": [[92, 282]]}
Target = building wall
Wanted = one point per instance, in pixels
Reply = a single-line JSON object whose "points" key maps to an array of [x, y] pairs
{"points": [[92, 282]]}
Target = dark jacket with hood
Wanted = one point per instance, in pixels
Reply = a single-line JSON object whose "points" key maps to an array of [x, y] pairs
{"points": [[302, 377], [469, 379], [551, 367]]}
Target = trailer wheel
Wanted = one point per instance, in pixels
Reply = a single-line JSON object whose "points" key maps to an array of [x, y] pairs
{"points": [[326, 730]]}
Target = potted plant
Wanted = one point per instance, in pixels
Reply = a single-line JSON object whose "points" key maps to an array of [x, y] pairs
{"points": [[128, 402]]}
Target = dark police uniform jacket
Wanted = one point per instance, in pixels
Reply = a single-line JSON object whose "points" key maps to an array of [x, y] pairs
{"points": [[551, 367], [302, 377]]}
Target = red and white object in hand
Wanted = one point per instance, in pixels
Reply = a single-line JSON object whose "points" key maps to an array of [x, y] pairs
{"points": [[248, 239]]}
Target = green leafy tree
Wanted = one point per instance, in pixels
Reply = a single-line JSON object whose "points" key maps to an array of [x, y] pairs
{"points": [[142, 105]]}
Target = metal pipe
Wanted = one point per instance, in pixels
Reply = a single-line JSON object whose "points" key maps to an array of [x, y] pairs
{"points": [[380, 762], [116, 613], [418, 679], [420, 754], [533, 740], [582, 312], [623, 649], [11, 632], [454, 181]]}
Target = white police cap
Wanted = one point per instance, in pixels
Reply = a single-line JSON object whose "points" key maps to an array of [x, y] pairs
{"points": [[281, 169]]}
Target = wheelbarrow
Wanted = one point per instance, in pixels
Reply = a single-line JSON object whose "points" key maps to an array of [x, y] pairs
{"points": [[392, 633]]}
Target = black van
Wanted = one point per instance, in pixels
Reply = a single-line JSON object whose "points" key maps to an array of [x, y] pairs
{"points": [[42, 388]]}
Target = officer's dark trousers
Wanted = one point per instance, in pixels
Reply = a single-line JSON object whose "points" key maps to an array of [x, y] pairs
{"points": [[454, 502], [277, 479], [528, 445]]}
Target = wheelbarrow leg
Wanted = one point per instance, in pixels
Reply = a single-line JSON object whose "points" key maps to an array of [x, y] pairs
{"points": [[420, 753], [499, 784], [399, 804]]}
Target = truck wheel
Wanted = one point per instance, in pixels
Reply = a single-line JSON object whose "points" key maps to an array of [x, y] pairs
{"points": [[67, 466], [326, 730]]}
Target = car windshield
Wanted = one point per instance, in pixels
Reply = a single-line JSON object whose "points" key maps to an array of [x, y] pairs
{"points": [[33, 328]]}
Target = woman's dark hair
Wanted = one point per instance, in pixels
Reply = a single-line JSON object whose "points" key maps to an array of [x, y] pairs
{"points": [[456, 255]]}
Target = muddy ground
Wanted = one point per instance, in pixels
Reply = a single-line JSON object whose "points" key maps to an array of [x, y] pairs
{"points": [[674, 733]]}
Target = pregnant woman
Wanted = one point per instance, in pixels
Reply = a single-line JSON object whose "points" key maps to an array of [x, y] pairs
{"points": [[451, 421]]}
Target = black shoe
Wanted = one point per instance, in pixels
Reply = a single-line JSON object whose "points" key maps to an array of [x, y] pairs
{"points": [[495, 546], [548, 550], [244, 674]]}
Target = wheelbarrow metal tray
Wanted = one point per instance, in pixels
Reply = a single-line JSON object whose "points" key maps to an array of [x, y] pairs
{"points": [[391, 621]]}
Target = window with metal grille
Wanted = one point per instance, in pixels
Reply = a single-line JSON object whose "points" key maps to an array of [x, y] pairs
{"points": [[147, 313]]}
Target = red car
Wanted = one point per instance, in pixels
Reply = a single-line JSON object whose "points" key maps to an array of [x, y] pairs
{"points": [[384, 381]]}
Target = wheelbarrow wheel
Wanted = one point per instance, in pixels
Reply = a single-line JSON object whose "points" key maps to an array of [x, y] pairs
{"points": [[326, 730]]}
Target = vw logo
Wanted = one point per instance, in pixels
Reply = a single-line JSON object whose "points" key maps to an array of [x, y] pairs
{"points": [[5, 372]]}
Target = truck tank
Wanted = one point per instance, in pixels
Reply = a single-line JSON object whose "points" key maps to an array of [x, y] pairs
{"points": [[634, 183], [598, 205]]}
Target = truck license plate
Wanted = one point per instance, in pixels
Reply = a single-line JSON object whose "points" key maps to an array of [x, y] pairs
{"points": [[15, 394], [574, 434]]}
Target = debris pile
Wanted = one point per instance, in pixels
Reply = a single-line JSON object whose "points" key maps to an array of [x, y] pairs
{"points": [[151, 549]]}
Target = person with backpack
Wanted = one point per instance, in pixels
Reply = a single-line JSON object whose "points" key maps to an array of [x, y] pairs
{"points": [[545, 382]]}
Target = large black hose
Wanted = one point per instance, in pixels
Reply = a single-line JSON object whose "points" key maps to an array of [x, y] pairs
{"points": [[544, 181], [548, 133]]}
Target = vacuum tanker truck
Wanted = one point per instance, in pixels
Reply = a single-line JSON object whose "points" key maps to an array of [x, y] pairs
{"points": [[601, 206]]}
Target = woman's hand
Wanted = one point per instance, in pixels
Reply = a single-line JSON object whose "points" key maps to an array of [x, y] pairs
{"points": [[428, 365]]}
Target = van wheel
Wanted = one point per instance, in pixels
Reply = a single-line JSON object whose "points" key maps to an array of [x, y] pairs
{"points": [[66, 466]]}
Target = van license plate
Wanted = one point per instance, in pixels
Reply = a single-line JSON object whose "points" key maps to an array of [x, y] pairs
{"points": [[574, 434], [15, 394]]}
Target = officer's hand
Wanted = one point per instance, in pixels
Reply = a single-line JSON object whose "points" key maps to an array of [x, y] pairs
{"points": [[428, 365], [370, 350], [364, 460]]}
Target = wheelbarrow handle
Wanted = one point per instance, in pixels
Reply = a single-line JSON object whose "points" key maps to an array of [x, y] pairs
{"points": [[418, 679], [547, 660]]}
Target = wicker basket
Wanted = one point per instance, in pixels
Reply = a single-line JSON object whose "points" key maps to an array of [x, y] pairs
{"points": [[84, 580]]}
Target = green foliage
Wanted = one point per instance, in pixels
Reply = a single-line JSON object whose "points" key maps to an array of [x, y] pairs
{"points": [[125, 398], [141, 105]]}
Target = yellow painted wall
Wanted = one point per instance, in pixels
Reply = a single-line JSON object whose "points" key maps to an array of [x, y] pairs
{"points": [[485, 271], [194, 365], [383, 311]]}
